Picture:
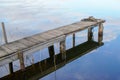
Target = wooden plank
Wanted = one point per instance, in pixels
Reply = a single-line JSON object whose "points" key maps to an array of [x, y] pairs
{"points": [[47, 36], [73, 27], [14, 46], [69, 29], [32, 39], [65, 30], [6, 49], [56, 33], [26, 42], [38, 38], [83, 25], [43, 37], [8, 58], [2, 53]]}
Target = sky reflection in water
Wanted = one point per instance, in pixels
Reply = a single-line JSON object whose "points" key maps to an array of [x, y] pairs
{"points": [[27, 17]]}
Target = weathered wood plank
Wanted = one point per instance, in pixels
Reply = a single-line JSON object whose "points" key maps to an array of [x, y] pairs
{"points": [[14, 46], [47, 36], [38, 38], [55, 33], [32, 39], [2, 52], [6, 49], [75, 27], [26, 42]]}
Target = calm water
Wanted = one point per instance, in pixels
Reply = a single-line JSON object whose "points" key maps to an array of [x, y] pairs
{"points": [[27, 17]]}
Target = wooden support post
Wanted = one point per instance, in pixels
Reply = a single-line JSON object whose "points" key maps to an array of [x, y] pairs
{"points": [[74, 40], [51, 51], [90, 34], [21, 58], [100, 33], [62, 50], [22, 65], [6, 41], [4, 33]]}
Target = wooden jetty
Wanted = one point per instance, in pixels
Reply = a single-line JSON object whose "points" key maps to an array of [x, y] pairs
{"points": [[41, 69], [12, 51]]}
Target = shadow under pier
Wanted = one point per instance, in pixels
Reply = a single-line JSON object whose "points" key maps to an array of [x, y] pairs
{"points": [[51, 64]]}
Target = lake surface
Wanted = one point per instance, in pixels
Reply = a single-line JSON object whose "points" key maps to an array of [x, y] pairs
{"points": [[27, 17]]}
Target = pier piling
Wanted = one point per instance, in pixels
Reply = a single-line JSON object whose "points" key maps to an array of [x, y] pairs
{"points": [[100, 33], [6, 41], [63, 50], [21, 58], [90, 34]]}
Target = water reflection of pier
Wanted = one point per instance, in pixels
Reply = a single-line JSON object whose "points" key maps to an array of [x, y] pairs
{"points": [[46, 66], [19, 49]]}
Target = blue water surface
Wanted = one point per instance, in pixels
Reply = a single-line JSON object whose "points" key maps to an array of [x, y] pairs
{"points": [[27, 17]]}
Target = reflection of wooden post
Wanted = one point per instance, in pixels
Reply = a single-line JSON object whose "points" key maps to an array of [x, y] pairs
{"points": [[21, 58], [40, 66], [62, 49], [6, 41], [51, 51], [11, 67], [90, 34], [100, 33], [74, 40]]}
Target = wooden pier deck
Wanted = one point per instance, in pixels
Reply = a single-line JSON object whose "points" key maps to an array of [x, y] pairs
{"points": [[18, 49]]}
